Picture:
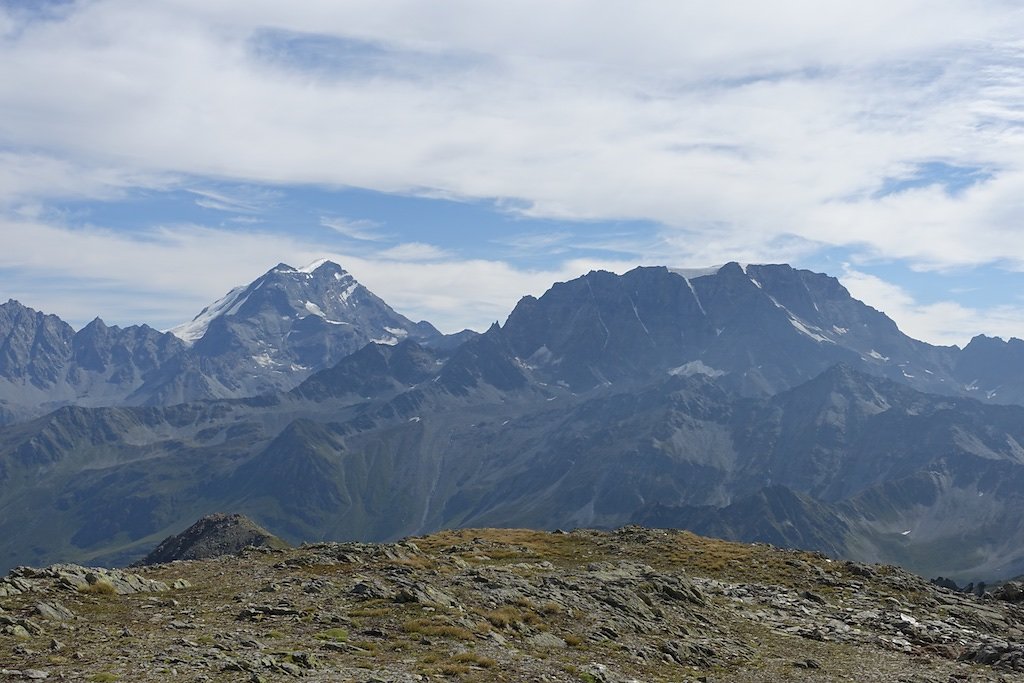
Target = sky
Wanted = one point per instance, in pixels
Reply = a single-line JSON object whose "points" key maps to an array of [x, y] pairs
{"points": [[455, 155]]}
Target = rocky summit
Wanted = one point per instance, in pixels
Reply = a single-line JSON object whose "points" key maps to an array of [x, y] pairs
{"points": [[635, 604], [212, 536]]}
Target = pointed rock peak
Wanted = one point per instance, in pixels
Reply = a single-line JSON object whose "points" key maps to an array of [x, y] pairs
{"points": [[842, 373], [848, 377], [870, 393], [14, 310], [212, 536], [15, 305], [732, 268], [96, 329]]}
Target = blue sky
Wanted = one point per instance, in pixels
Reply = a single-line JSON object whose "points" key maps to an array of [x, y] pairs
{"points": [[456, 155]]}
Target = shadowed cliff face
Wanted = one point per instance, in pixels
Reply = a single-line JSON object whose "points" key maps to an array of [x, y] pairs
{"points": [[760, 329]]}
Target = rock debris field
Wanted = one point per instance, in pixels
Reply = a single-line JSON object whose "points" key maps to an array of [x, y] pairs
{"points": [[504, 605]]}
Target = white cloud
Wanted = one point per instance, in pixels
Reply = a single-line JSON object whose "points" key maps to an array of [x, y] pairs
{"points": [[28, 176], [358, 229], [745, 131], [737, 124], [933, 229], [533, 241], [414, 251], [941, 322], [248, 200]]}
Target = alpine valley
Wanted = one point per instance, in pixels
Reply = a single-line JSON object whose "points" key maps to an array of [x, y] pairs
{"points": [[754, 403]]}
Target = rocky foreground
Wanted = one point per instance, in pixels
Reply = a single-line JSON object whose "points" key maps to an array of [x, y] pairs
{"points": [[504, 605]]}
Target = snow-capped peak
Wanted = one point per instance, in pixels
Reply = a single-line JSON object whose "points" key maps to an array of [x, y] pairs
{"points": [[194, 330]]}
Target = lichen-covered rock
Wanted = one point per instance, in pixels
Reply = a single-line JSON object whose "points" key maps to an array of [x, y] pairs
{"points": [[1011, 591], [545, 640], [77, 578], [54, 611]]}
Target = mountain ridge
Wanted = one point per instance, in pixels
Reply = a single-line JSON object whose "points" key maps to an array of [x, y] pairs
{"points": [[724, 400]]}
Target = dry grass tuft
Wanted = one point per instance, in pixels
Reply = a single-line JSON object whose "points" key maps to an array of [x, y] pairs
{"points": [[100, 587], [335, 634], [432, 628], [474, 659]]}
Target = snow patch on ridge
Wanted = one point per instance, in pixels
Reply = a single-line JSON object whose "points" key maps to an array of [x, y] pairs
{"points": [[802, 327], [746, 271], [309, 268], [265, 361], [193, 331], [346, 293], [696, 367], [690, 273], [805, 329]]}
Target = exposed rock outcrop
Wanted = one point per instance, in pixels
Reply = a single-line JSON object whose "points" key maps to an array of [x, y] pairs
{"points": [[213, 535]]}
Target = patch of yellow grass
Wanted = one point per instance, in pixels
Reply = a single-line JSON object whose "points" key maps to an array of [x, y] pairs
{"points": [[432, 628], [474, 659], [100, 587]]}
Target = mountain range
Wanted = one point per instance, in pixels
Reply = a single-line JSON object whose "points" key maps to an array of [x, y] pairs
{"points": [[266, 336], [759, 403]]}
